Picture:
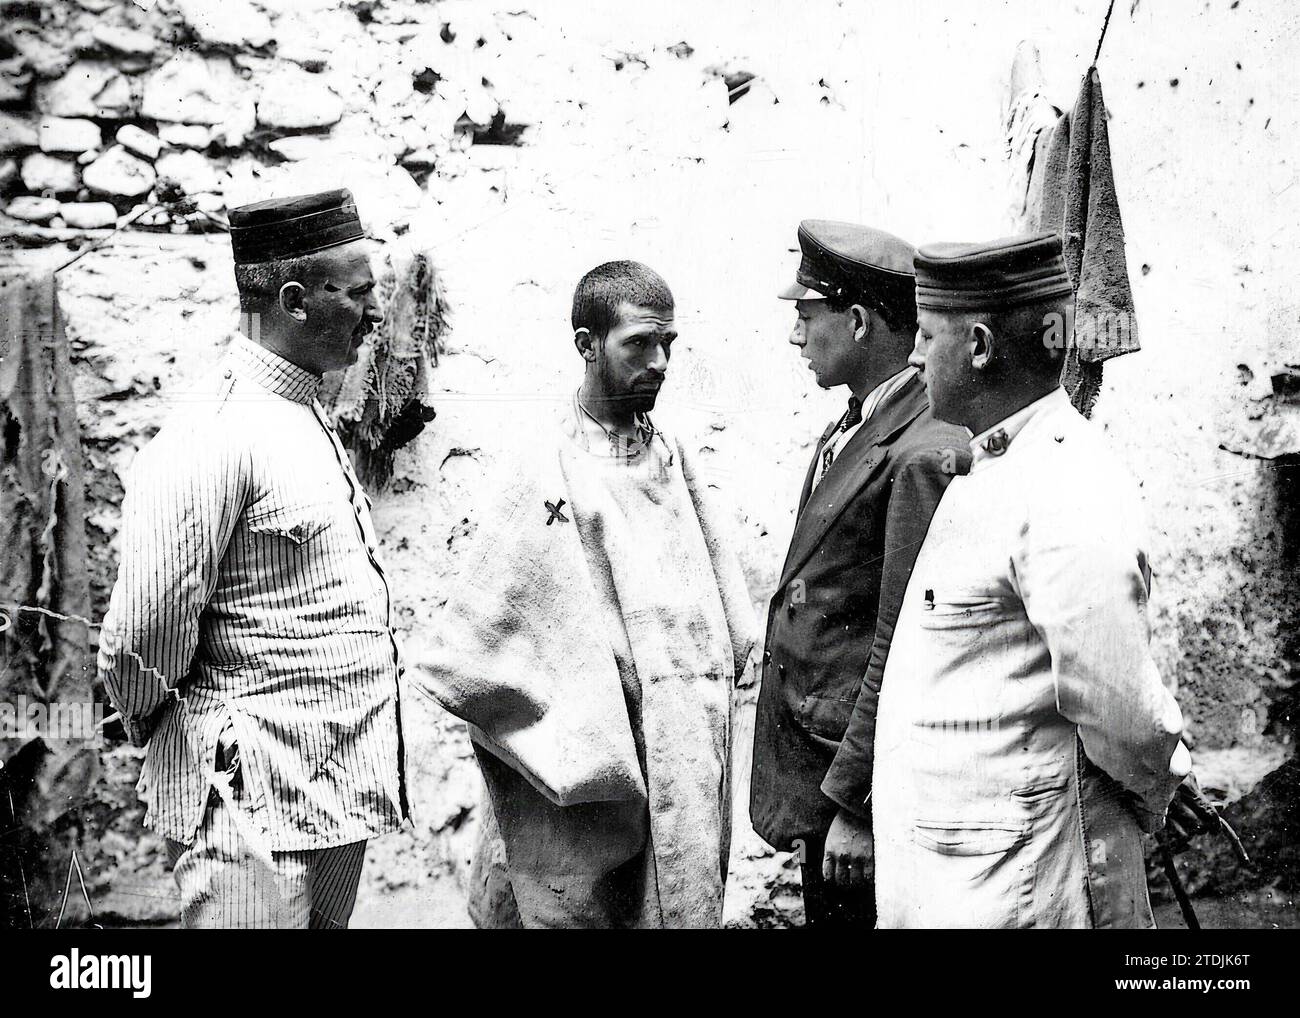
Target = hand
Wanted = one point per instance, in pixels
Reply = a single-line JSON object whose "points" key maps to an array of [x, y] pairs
{"points": [[748, 675], [850, 856], [1190, 814], [139, 730]]}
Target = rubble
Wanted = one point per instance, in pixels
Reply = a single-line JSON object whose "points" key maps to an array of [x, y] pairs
{"points": [[46, 59], [235, 129], [16, 133], [189, 169], [295, 99], [31, 209], [310, 84], [124, 40], [299, 146], [185, 135], [139, 141], [308, 49], [45, 173], [66, 134], [91, 215], [15, 79], [142, 215], [90, 88], [205, 202], [233, 23], [119, 173], [194, 89], [421, 158]]}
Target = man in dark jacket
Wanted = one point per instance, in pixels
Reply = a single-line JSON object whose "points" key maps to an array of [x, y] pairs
{"points": [[871, 489]]}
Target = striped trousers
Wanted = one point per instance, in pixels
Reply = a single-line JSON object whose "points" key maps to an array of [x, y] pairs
{"points": [[225, 884]]}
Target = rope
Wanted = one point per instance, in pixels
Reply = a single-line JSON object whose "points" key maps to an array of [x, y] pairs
{"points": [[1105, 25]]}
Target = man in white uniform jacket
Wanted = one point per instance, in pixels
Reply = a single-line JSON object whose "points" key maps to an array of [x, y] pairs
{"points": [[1024, 737]]}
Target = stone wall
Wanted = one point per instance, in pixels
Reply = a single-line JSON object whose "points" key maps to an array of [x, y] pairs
{"points": [[523, 146], [104, 99]]}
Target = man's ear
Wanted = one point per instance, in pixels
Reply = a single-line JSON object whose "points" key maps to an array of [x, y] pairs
{"points": [[585, 342], [293, 301], [982, 342], [861, 319]]}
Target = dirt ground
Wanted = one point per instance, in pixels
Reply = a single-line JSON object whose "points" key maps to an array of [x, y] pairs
{"points": [[442, 907]]}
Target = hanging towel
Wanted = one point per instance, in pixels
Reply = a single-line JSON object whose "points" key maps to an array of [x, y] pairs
{"points": [[1072, 191]]}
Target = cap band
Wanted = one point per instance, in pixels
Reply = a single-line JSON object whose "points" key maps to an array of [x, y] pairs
{"points": [[999, 294], [1001, 274], [295, 237], [291, 227]]}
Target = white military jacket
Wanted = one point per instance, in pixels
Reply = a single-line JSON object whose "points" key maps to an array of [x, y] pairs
{"points": [[1024, 735]]}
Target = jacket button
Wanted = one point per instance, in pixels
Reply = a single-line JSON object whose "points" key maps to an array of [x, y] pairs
{"points": [[789, 610], [767, 656], [780, 670]]}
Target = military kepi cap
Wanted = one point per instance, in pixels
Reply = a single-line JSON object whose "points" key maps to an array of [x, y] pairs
{"points": [[844, 260], [992, 276], [291, 227]]}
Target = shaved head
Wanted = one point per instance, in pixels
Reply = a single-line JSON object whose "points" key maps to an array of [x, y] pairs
{"points": [[605, 289]]}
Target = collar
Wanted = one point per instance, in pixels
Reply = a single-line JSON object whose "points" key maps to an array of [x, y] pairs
{"points": [[861, 410], [872, 401], [993, 442], [595, 437], [273, 373]]}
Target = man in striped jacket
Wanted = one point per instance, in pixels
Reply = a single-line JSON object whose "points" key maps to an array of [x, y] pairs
{"points": [[249, 640]]}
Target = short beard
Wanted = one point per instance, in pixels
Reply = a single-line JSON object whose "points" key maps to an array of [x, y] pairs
{"points": [[638, 402], [618, 399]]}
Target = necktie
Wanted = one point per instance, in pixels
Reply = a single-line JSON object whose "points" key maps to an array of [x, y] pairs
{"points": [[853, 416]]}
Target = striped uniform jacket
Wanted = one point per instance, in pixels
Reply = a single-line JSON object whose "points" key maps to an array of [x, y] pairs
{"points": [[250, 597]]}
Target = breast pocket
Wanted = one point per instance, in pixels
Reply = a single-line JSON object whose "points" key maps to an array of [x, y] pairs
{"points": [[296, 524], [287, 574]]}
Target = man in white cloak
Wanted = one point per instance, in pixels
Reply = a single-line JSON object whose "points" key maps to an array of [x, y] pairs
{"points": [[593, 645]]}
